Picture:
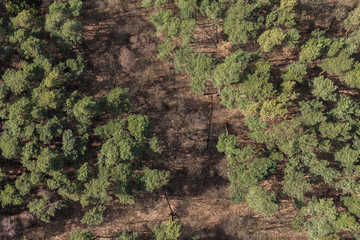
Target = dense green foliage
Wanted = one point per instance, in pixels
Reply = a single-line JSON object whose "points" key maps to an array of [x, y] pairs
{"points": [[127, 236], [261, 201], [170, 231], [16, 6], [239, 83], [303, 122], [81, 235], [50, 128]]}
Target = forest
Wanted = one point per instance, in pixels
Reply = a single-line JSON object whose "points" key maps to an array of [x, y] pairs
{"points": [[180, 119]]}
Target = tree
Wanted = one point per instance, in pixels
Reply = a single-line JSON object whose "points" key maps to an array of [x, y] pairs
{"points": [[153, 3], [161, 20], [23, 20], [94, 216], [351, 25], [271, 38], [336, 46], [96, 190], [247, 175], [170, 231], [348, 158], [271, 109], [295, 72], [119, 148], [84, 172], [154, 145], [323, 220], [232, 69], [128, 236], [69, 145], [347, 222], [154, 179], [122, 176], [139, 127], [117, 101], [256, 86], [323, 88], [2, 175], [18, 36], [199, 68], [60, 21], [112, 129], [85, 109], [16, 6], [165, 50], [240, 22], [351, 77], [284, 136], [173, 28], [288, 5], [339, 64], [71, 31], [76, 7], [338, 131], [9, 145], [23, 184], [43, 209], [187, 30], [32, 47], [261, 201], [50, 130], [234, 154], [76, 68], [347, 185], [3, 92], [46, 98], [182, 58], [256, 127], [311, 112], [292, 37], [16, 81], [81, 235], [30, 151], [344, 109], [48, 160], [313, 49], [57, 15], [9, 196], [185, 3], [322, 168], [353, 204], [295, 184], [212, 9], [58, 180]]}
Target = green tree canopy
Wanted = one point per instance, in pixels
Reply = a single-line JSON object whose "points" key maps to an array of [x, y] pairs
{"points": [[262, 201], [240, 22], [271, 38], [170, 231]]}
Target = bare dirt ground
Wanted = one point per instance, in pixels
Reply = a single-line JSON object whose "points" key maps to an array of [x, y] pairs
{"points": [[119, 49]]}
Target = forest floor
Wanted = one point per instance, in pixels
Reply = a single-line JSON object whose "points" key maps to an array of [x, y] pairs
{"points": [[119, 50]]}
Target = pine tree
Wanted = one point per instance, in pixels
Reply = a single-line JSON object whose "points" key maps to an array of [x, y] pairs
{"points": [[262, 201], [94, 216], [269, 39], [170, 231]]}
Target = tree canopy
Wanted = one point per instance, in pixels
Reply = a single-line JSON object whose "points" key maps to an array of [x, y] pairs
{"points": [[52, 131], [301, 110]]}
